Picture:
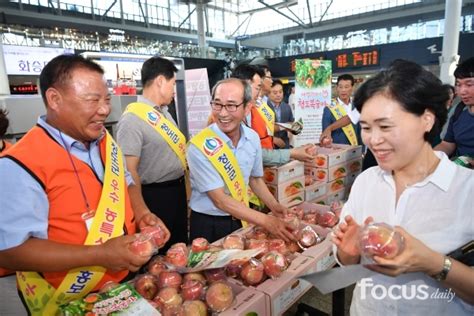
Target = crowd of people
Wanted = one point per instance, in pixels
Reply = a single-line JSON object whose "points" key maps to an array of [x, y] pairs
{"points": [[73, 197]]}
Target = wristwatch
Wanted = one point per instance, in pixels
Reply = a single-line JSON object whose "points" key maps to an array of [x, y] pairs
{"points": [[446, 268]]}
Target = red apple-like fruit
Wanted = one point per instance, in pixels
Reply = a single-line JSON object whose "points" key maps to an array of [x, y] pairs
{"points": [[293, 247], [274, 264], [311, 218], [157, 234], [195, 308], [219, 296], [194, 276], [192, 290], [326, 142], [168, 298], [233, 241], [199, 244], [177, 256], [277, 245], [147, 286], [157, 265], [253, 272], [234, 267], [380, 239], [292, 221], [261, 244], [307, 237], [312, 150], [328, 219], [143, 246], [257, 233], [169, 279], [214, 275]]}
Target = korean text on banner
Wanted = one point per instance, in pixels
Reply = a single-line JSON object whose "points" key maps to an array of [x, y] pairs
{"points": [[198, 98], [313, 93]]}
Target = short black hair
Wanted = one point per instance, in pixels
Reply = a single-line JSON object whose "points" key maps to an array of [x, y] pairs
{"points": [[156, 66], [246, 72], [415, 88], [346, 77], [465, 69], [277, 82], [264, 68], [58, 71], [4, 122], [449, 87]]}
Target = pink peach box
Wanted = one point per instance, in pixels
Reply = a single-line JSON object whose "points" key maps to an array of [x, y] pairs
{"points": [[314, 191], [293, 200], [328, 157], [248, 301], [287, 189], [351, 152], [277, 175], [323, 254], [335, 185], [320, 174], [322, 200], [337, 171]]}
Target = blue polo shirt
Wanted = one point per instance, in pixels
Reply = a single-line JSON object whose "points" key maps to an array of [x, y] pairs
{"points": [[461, 132], [204, 177], [24, 204]]}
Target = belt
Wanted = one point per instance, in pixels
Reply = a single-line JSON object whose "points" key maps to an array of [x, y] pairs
{"points": [[164, 184], [224, 217]]}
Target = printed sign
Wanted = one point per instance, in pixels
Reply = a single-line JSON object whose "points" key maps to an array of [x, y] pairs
{"points": [[26, 60], [198, 98], [312, 94]]}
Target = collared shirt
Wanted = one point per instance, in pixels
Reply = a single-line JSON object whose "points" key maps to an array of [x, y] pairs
{"points": [[353, 114], [24, 204], [158, 161], [204, 177], [438, 211]]}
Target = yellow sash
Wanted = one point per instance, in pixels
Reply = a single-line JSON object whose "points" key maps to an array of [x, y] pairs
{"points": [[170, 132], [43, 299], [223, 159], [338, 111], [268, 116]]}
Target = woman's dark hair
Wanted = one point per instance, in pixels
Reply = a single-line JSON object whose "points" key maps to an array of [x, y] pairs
{"points": [[415, 88]]}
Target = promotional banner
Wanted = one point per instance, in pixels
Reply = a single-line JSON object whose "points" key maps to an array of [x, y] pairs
{"points": [[198, 98], [26, 60], [312, 94]]}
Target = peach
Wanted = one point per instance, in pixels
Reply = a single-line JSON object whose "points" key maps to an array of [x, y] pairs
{"points": [[219, 296], [157, 265], [233, 241], [169, 279], [274, 264], [293, 247], [307, 237], [292, 221], [157, 234], [258, 244], [380, 239], [328, 219], [253, 272], [311, 218], [177, 256], [277, 245], [147, 286], [192, 290], [214, 275], [194, 276], [234, 267], [143, 246], [195, 308], [326, 142], [312, 150], [167, 298], [199, 244]]}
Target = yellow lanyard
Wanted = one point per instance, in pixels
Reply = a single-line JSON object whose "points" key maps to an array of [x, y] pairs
{"points": [[268, 116], [338, 112]]}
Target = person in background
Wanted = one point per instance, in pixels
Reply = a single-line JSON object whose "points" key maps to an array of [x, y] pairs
{"points": [[271, 156], [52, 181], [154, 159], [346, 132], [399, 119], [216, 213], [283, 114], [267, 83], [459, 138], [4, 123], [292, 99]]}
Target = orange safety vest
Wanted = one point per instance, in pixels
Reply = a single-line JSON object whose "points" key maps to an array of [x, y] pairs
{"points": [[258, 124], [40, 155]]}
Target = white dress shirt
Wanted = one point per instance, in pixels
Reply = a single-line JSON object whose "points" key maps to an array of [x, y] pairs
{"points": [[439, 211]]}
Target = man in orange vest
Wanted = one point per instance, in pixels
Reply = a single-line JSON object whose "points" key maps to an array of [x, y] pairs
{"points": [[65, 202]]}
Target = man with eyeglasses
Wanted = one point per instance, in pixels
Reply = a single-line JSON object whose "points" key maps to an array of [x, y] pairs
{"points": [[223, 160]]}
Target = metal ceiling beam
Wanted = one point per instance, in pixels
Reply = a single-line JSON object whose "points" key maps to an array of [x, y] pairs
{"points": [[326, 11], [279, 4], [108, 9], [186, 18], [281, 13], [145, 15], [309, 13], [296, 16], [240, 25]]}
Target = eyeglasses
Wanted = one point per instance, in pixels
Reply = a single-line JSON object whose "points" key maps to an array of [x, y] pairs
{"points": [[229, 107], [268, 77]]}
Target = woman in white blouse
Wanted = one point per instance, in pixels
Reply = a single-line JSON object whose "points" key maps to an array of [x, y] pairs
{"points": [[420, 190]]}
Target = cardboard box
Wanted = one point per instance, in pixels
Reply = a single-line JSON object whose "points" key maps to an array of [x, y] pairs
{"points": [[293, 200], [323, 200], [337, 171], [352, 152], [350, 178], [328, 157], [287, 189], [320, 174], [248, 301], [335, 185], [323, 255], [276, 175], [315, 191], [336, 196]]}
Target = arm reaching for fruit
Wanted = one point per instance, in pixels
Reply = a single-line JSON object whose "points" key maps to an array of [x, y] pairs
{"points": [[302, 153], [417, 257], [345, 237], [49, 256], [260, 189]]}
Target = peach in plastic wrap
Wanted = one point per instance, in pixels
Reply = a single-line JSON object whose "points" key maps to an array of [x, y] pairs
{"points": [[253, 272], [194, 276], [199, 244], [143, 245], [157, 265], [192, 290], [233, 241], [307, 237], [169, 279], [177, 256], [292, 220], [277, 245], [380, 239], [156, 232], [147, 286], [219, 296], [195, 308], [168, 298], [214, 275], [274, 263], [328, 219]]}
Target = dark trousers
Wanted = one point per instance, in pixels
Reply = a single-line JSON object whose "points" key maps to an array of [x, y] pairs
{"points": [[212, 227], [168, 201]]}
